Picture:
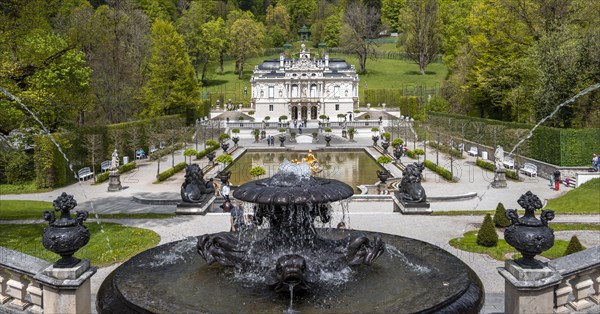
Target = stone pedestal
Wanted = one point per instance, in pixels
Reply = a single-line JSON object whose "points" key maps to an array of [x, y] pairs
{"points": [[195, 208], [67, 290], [528, 290], [422, 208], [114, 181], [499, 179]]}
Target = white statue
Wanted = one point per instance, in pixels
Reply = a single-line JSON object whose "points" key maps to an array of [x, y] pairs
{"points": [[114, 163], [499, 157]]}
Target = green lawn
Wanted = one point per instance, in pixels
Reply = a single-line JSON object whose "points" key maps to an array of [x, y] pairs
{"points": [[125, 242], [582, 200], [25, 210], [29, 187], [381, 74]]}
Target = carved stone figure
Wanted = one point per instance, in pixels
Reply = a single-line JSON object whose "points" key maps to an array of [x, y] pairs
{"points": [[499, 157], [114, 163], [193, 189], [411, 190]]}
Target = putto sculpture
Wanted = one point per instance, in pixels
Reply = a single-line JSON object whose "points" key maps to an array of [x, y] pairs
{"points": [[194, 189], [411, 190], [65, 235], [527, 234]]}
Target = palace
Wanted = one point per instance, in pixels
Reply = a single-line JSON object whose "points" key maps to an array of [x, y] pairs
{"points": [[304, 88]]}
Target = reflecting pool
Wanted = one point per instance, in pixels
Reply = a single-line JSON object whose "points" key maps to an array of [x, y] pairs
{"points": [[351, 167]]}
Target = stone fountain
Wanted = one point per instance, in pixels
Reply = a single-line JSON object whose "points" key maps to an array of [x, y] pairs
{"points": [[293, 260]]}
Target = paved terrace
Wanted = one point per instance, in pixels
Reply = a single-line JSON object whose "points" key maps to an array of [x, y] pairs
{"points": [[372, 216]]}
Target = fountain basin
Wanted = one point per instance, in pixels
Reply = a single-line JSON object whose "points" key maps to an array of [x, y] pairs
{"points": [[413, 276]]}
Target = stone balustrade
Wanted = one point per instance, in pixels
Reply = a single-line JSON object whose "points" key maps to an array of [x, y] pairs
{"points": [[29, 284], [565, 285]]}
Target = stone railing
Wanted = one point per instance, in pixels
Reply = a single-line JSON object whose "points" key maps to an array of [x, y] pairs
{"points": [[29, 284], [565, 285]]}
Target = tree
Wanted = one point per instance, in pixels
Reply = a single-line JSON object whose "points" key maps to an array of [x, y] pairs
{"points": [[278, 16], [171, 85], [487, 235], [361, 23], [300, 11], [422, 43], [93, 143], [134, 139], [246, 38], [500, 219], [574, 246], [390, 13], [333, 28], [257, 171]]}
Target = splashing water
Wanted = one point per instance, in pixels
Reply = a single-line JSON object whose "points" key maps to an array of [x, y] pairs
{"points": [[530, 134], [395, 252], [64, 155]]}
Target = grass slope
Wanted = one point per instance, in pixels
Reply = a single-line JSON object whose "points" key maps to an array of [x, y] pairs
{"points": [[29, 187], [110, 243], [582, 200]]}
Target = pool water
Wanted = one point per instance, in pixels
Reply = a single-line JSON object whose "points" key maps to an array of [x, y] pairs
{"points": [[351, 167]]}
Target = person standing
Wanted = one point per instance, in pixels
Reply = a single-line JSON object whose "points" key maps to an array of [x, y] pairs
{"points": [[556, 180], [595, 161]]}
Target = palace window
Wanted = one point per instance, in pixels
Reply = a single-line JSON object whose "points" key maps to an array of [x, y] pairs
{"points": [[270, 107], [294, 90], [336, 91], [271, 92], [313, 91], [337, 107]]}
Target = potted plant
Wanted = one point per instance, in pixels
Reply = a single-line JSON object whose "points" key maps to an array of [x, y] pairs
{"points": [[281, 139], [386, 136], [383, 159], [236, 136], [341, 116], [323, 117], [293, 135], [397, 142], [367, 117], [223, 137], [241, 121], [281, 130], [283, 118], [266, 119], [351, 132], [327, 139], [328, 130], [256, 133], [225, 159], [251, 112]]}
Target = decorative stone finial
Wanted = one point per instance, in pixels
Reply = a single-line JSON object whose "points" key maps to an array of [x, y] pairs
{"points": [[64, 236]]}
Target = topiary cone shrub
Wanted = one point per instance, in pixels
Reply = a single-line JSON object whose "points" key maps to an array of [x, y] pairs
{"points": [[574, 246], [487, 235], [500, 219]]}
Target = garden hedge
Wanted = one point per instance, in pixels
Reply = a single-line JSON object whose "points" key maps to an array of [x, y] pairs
{"points": [[443, 172], [171, 171], [500, 219], [122, 169], [487, 235], [492, 167]]}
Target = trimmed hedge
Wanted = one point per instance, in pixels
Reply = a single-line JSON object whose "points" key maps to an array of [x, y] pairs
{"points": [[383, 159], [51, 169], [165, 151], [443, 172], [171, 171], [561, 147], [411, 153], [122, 169], [448, 150], [574, 246], [491, 167], [487, 235], [412, 106], [500, 219]]}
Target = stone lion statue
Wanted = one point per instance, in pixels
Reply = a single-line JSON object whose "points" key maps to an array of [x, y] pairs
{"points": [[194, 189], [411, 190]]}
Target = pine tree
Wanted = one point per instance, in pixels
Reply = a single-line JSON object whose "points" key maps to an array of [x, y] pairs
{"points": [[574, 246], [487, 235], [500, 219]]}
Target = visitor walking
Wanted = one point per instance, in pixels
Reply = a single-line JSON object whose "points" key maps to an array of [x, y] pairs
{"points": [[237, 218], [595, 161], [556, 180]]}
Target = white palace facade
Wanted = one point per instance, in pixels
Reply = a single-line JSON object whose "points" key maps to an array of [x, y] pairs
{"points": [[304, 88]]}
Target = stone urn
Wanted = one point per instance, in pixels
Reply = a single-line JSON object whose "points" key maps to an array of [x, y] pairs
{"points": [[281, 140], [397, 154], [375, 138], [211, 156], [327, 139], [225, 146], [383, 175], [235, 140], [224, 176], [65, 235], [529, 235], [385, 145]]}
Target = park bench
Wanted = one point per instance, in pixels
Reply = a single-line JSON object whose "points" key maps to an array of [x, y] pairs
{"points": [[509, 163], [105, 165], [461, 147], [472, 151], [84, 174], [152, 149], [529, 169]]}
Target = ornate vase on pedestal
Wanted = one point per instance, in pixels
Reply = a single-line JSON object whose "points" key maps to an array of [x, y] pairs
{"points": [[527, 234], [385, 145], [281, 140], [327, 140], [397, 154], [235, 140], [375, 138], [66, 235], [225, 146], [211, 156]]}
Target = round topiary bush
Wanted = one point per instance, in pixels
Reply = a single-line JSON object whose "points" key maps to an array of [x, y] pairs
{"points": [[500, 219], [487, 235], [574, 246]]}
